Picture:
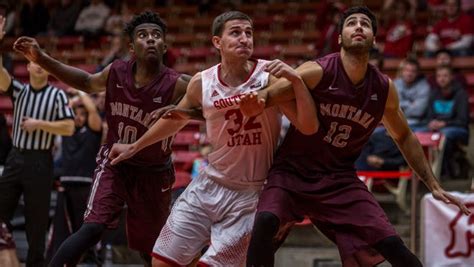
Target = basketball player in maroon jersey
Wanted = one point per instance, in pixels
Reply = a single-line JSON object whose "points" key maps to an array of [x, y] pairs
{"points": [[315, 176], [134, 90]]}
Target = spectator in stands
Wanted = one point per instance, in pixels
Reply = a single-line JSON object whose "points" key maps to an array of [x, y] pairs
{"points": [[380, 153], [448, 113], [120, 15], [328, 43], [412, 7], [454, 32], [444, 58], [5, 141], [92, 19], [63, 18], [400, 33], [376, 58], [413, 91], [118, 50], [34, 18], [78, 164]]}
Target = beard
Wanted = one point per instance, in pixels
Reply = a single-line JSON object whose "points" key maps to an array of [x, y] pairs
{"points": [[358, 48]]}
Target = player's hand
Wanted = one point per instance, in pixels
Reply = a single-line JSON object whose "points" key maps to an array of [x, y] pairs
{"points": [[280, 69], [29, 124], [252, 104], [447, 198], [121, 152], [3, 22], [29, 47]]}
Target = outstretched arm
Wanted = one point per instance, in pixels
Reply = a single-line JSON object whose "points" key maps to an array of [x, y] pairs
{"points": [[162, 128], [282, 91], [74, 77], [396, 124]]}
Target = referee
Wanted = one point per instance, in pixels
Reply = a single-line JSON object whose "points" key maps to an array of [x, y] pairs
{"points": [[40, 112]]}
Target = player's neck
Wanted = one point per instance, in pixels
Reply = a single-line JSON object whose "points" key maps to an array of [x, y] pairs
{"points": [[145, 72], [234, 73], [355, 65]]}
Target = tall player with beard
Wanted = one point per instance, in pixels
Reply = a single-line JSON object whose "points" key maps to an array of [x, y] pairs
{"points": [[315, 176], [219, 206], [134, 90]]}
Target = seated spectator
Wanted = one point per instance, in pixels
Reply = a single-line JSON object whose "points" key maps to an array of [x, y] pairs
{"points": [[376, 58], [120, 15], [63, 18], [400, 33], [92, 19], [328, 43], [444, 58], [413, 91], [454, 32], [448, 113], [380, 153]]}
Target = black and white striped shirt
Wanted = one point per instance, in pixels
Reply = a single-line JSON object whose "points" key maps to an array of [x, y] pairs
{"points": [[48, 103]]}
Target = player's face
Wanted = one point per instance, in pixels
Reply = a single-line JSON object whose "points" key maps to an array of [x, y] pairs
{"points": [[148, 42], [236, 39], [36, 71], [357, 35], [80, 117]]}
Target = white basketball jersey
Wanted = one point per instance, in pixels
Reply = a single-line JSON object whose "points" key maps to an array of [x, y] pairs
{"points": [[242, 147]]}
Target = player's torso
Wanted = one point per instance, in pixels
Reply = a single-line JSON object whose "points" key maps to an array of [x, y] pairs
{"points": [[243, 147], [129, 110], [347, 115]]}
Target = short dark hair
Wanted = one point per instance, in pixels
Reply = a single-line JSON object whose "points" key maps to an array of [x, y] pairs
{"points": [[412, 61], [219, 21], [443, 51], [144, 17], [445, 67], [358, 9]]}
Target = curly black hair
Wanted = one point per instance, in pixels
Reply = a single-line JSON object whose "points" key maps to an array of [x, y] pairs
{"points": [[144, 17]]}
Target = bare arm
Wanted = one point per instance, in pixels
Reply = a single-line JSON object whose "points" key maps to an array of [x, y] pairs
{"points": [[5, 78], [61, 127], [94, 120], [162, 128], [396, 124], [74, 77], [281, 91], [302, 111]]}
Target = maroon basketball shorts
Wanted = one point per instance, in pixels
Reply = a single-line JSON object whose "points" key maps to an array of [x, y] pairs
{"points": [[340, 205], [146, 193]]}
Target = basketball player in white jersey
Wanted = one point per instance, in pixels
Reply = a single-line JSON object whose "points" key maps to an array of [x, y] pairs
{"points": [[219, 206]]}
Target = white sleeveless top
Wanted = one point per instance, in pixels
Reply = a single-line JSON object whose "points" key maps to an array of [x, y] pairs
{"points": [[242, 147]]}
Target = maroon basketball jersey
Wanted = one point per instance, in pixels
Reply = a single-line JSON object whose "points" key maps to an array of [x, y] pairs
{"points": [[128, 110], [347, 116]]}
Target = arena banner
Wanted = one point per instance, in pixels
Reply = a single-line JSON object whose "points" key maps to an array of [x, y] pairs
{"points": [[447, 237]]}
